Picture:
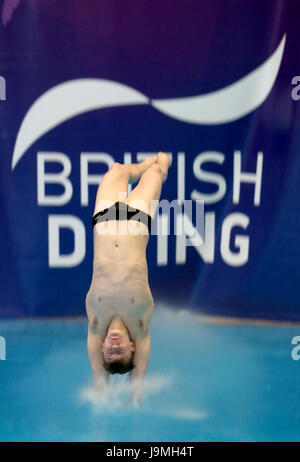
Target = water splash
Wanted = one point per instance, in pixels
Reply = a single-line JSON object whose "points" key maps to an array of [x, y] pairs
{"points": [[117, 394]]}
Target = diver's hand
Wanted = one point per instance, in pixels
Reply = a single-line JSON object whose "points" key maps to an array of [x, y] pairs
{"points": [[136, 399], [100, 383], [137, 391]]}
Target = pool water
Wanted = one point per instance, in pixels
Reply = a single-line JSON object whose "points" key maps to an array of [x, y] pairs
{"points": [[205, 382]]}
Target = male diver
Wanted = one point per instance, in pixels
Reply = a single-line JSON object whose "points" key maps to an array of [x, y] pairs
{"points": [[119, 302]]}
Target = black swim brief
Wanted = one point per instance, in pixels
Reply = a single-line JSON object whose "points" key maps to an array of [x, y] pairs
{"points": [[122, 211]]}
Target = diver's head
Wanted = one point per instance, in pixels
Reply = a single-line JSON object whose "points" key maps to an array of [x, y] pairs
{"points": [[118, 351]]}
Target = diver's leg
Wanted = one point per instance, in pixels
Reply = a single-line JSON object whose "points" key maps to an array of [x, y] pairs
{"points": [[114, 184], [149, 186], [136, 170]]}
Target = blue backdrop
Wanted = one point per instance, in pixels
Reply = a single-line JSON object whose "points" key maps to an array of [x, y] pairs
{"points": [[84, 84]]}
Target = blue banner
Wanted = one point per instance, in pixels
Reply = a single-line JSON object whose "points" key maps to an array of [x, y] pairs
{"points": [[212, 82]]}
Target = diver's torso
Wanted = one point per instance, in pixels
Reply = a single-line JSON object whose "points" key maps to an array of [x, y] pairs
{"points": [[120, 284]]}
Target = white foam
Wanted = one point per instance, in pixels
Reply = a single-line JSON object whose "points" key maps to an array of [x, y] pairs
{"points": [[186, 413], [117, 394]]}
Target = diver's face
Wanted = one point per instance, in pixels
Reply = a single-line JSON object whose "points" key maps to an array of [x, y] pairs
{"points": [[117, 347]]}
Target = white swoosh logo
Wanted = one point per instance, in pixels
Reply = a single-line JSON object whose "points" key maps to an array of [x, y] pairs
{"points": [[75, 97], [229, 103]]}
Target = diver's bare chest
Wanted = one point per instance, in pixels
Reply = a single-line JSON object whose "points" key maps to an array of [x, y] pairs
{"points": [[133, 312], [132, 304], [120, 288]]}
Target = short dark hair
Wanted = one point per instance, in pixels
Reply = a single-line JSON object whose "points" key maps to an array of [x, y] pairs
{"points": [[119, 367]]}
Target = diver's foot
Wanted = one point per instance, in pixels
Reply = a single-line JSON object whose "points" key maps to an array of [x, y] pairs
{"points": [[165, 162]]}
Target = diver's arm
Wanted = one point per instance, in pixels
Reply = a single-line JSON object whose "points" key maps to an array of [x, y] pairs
{"points": [[137, 374], [94, 344]]}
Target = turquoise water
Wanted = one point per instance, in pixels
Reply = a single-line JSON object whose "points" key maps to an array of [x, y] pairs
{"points": [[205, 383]]}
